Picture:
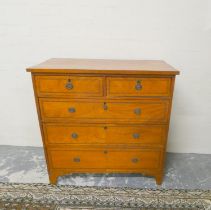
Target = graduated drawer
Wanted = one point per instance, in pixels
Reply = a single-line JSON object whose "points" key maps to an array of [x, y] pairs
{"points": [[104, 159], [107, 111], [69, 86], [104, 134], [132, 86]]}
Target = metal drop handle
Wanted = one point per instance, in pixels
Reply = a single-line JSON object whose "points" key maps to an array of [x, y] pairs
{"points": [[137, 111], [136, 135], [74, 135], [138, 85], [135, 160], [71, 110], [69, 85], [76, 159]]}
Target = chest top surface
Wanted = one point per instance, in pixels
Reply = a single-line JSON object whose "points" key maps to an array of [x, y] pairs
{"points": [[104, 66]]}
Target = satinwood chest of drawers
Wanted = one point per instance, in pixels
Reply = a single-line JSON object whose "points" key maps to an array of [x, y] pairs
{"points": [[104, 116]]}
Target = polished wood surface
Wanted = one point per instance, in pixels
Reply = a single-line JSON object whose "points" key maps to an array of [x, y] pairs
{"points": [[104, 134], [105, 159], [69, 86], [103, 66], [114, 111], [78, 158], [104, 116], [131, 159], [117, 86]]}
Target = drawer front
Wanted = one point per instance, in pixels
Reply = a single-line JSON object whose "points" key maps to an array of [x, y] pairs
{"points": [[69, 85], [133, 159], [104, 134], [154, 135], [138, 86], [145, 111], [77, 159], [74, 134], [104, 158]]}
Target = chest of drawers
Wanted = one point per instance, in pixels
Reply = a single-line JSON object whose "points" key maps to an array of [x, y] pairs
{"points": [[104, 116]]}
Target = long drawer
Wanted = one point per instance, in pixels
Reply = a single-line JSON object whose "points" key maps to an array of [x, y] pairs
{"points": [[104, 134], [109, 159], [108, 111]]}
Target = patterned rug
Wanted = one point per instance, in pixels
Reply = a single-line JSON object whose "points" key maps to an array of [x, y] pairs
{"points": [[49, 197]]}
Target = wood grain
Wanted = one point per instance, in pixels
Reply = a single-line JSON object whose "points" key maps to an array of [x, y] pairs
{"points": [[58, 85], [117, 86], [133, 159], [150, 111], [78, 158], [104, 134], [103, 66], [93, 117], [107, 159]]}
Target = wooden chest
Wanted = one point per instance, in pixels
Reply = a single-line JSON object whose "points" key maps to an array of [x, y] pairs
{"points": [[104, 116]]}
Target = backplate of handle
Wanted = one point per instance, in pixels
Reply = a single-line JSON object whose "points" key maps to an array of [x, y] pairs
{"points": [[138, 85], [135, 160], [71, 110], [136, 135], [137, 111], [76, 159], [69, 85], [74, 135]]}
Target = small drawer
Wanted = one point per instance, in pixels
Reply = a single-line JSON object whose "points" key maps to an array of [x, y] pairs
{"points": [[133, 159], [105, 111], [80, 159], [117, 86], [104, 134], [69, 86]]}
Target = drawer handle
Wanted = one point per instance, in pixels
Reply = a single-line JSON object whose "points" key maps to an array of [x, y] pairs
{"points": [[105, 106], [71, 110], [74, 135], [135, 160], [105, 152], [138, 85], [76, 159], [136, 135], [69, 85], [137, 111]]}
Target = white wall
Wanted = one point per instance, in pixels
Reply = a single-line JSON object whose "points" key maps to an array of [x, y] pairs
{"points": [[178, 31]]}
